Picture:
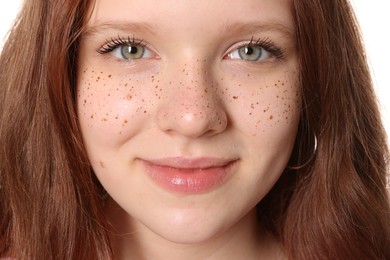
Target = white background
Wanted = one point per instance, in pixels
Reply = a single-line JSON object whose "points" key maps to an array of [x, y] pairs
{"points": [[374, 19]]}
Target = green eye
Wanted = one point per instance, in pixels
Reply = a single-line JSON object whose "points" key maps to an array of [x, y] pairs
{"points": [[250, 53], [131, 52], [256, 51], [126, 49]]}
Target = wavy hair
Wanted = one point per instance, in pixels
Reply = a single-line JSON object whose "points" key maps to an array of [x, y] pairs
{"points": [[49, 204], [330, 203]]}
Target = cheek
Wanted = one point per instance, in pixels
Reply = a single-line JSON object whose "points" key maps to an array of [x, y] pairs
{"points": [[108, 103], [266, 104]]}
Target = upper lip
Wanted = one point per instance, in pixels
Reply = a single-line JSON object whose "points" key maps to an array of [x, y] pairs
{"points": [[190, 163]]}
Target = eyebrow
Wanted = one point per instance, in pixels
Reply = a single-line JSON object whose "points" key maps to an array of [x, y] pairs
{"points": [[253, 27], [142, 27], [135, 27]]}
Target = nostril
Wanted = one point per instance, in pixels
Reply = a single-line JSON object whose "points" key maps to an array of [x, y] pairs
{"points": [[191, 120]]}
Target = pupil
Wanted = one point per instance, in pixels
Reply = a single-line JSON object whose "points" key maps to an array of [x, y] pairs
{"points": [[133, 50], [249, 50]]}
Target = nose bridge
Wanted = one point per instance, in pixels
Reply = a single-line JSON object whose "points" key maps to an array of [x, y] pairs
{"points": [[194, 85], [193, 106]]}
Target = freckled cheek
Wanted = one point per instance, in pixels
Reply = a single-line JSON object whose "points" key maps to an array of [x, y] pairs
{"points": [[263, 106], [112, 106]]}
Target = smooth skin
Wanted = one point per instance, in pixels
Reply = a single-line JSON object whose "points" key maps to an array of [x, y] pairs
{"points": [[190, 80]]}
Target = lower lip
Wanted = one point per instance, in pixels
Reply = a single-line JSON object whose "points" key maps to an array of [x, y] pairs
{"points": [[195, 180]]}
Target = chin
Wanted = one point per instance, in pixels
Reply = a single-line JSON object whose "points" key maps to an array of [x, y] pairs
{"points": [[187, 235], [188, 229]]}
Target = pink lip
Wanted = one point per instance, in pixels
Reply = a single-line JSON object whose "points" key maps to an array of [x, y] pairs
{"points": [[182, 175]]}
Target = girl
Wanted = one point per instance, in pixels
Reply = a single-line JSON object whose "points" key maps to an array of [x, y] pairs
{"points": [[190, 130]]}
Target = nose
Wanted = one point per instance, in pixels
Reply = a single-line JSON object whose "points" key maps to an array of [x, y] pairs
{"points": [[193, 108]]}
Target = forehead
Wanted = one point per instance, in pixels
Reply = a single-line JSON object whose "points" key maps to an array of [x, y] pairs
{"points": [[200, 16]]}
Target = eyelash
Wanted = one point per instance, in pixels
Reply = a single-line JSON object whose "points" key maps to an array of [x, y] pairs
{"points": [[267, 44], [113, 43]]}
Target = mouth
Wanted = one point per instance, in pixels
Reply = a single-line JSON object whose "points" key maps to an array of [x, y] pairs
{"points": [[191, 176]]}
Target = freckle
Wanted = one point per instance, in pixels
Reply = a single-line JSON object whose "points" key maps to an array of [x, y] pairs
{"points": [[144, 111], [104, 119], [101, 164], [271, 117], [252, 106], [125, 122], [235, 97], [109, 76], [205, 91], [91, 116]]}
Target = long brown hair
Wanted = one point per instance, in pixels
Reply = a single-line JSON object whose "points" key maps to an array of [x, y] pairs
{"points": [[49, 207], [330, 203]]}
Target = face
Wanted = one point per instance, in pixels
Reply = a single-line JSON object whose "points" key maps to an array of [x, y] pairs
{"points": [[188, 109]]}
